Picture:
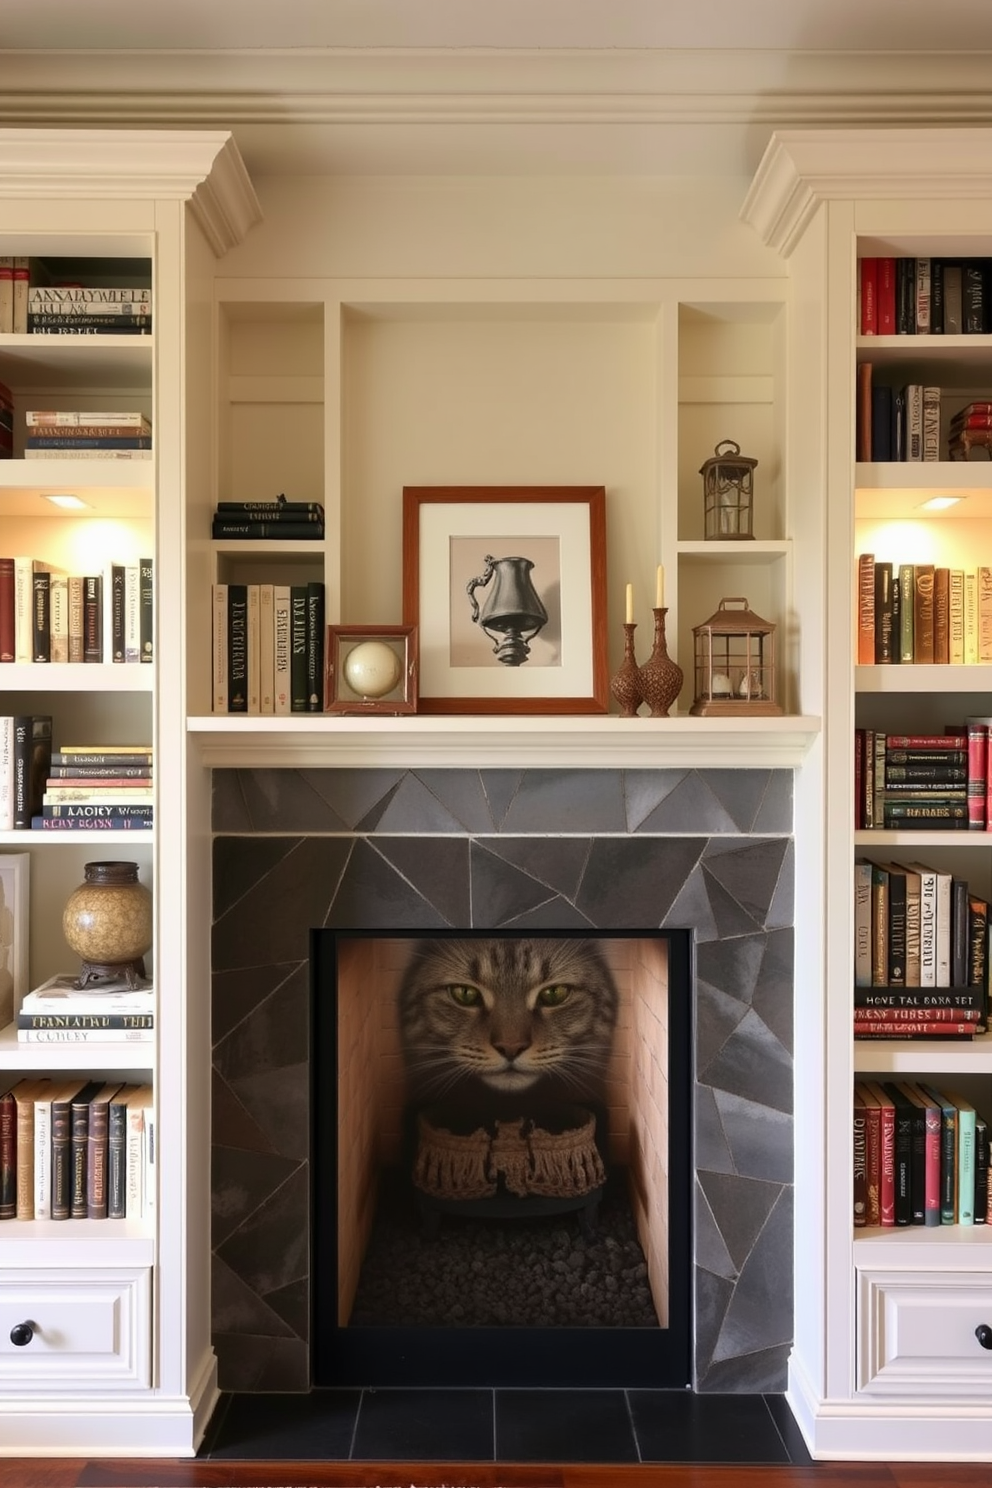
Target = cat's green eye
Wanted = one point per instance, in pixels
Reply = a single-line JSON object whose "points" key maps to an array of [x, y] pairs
{"points": [[554, 996], [465, 996]]}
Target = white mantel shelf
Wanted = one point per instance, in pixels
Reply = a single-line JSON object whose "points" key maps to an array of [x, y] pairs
{"points": [[311, 741]]}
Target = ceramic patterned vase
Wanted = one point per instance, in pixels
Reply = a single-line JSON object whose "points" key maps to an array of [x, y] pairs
{"points": [[107, 921]]}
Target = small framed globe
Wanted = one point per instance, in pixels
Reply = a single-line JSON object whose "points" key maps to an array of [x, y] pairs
{"points": [[372, 668]]}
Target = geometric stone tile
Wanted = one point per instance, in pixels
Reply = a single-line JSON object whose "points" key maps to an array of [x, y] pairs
{"points": [[242, 1182], [413, 808], [740, 1207], [712, 1150], [236, 994], [230, 1124], [753, 1065], [557, 862], [631, 883], [772, 998], [292, 1304], [288, 801], [278, 1101], [734, 964], [764, 1372], [270, 1247], [690, 807], [644, 790], [587, 800], [228, 812], [741, 793], [241, 862], [460, 793], [501, 893], [775, 814], [751, 874], [760, 1139], [709, 1247], [437, 867], [272, 1034], [759, 1315], [354, 795], [782, 910], [717, 1017], [371, 893], [731, 919], [235, 1308], [271, 920], [499, 788], [712, 1297], [253, 1365]]}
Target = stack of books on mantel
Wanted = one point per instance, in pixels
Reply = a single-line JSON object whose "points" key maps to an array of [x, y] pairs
{"points": [[105, 1010], [71, 434]]}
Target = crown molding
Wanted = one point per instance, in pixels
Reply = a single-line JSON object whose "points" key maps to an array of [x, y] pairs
{"points": [[202, 168], [800, 169], [283, 91]]}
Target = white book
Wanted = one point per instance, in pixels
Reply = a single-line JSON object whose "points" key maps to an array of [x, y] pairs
{"points": [[23, 620], [282, 689], [6, 773], [955, 607], [928, 924], [914, 421], [140, 1194], [58, 616], [43, 1155], [42, 418], [21, 287], [254, 651], [943, 930], [970, 616], [132, 612], [219, 648], [266, 648], [150, 1153], [74, 605], [60, 994]]}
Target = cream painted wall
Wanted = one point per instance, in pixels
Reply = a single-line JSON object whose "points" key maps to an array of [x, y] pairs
{"points": [[561, 228]]}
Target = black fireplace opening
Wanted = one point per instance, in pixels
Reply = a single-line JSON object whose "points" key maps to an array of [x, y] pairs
{"points": [[501, 1158]]}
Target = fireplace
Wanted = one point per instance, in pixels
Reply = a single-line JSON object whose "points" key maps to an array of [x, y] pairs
{"points": [[500, 1160], [708, 852]]}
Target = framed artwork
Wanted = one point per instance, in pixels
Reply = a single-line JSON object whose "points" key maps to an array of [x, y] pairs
{"points": [[14, 888], [371, 669], [507, 587]]}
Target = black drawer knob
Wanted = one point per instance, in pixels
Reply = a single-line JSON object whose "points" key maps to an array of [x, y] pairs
{"points": [[21, 1335], [984, 1335]]}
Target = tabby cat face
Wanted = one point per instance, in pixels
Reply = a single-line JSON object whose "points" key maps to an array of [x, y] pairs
{"points": [[506, 1014]]}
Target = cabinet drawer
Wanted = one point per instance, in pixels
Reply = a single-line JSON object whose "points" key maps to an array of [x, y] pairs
{"points": [[916, 1333], [88, 1330]]}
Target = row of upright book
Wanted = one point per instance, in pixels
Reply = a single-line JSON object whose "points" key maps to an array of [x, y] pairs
{"points": [[921, 782], [77, 1149], [49, 615], [6, 422], [923, 614], [268, 648], [906, 422], [902, 296], [921, 953], [921, 1156], [49, 297]]}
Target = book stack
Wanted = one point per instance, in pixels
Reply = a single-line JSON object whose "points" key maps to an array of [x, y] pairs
{"points": [[6, 422], [106, 1010], [921, 1156], [898, 422], [268, 648], [921, 953], [68, 434], [924, 296], [81, 310], [13, 294], [102, 787], [970, 429], [272, 521], [921, 782], [77, 1149], [25, 759]]}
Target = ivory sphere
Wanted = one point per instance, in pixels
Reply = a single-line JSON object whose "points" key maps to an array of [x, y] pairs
{"points": [[372, 669]]}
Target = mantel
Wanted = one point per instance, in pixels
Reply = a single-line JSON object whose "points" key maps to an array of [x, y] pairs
{"points": [[308, 742]]}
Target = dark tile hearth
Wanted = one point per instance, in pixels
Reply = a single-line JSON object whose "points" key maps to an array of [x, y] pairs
{"points": [[477, 1425], [709, 851]]}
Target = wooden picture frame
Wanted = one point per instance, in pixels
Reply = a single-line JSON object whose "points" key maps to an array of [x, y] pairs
{"points": [[343, 641], [15, 869], [464, 545]]}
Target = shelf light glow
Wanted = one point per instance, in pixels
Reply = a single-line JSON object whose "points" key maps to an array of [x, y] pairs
{"points": [[68, 503], [939, 503]]}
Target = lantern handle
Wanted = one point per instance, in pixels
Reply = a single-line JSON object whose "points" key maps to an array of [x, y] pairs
{"points": [[727, 444], [737, 600]]}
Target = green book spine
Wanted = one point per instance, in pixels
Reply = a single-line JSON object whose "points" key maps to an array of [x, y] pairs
{"points": [[907, 590]]}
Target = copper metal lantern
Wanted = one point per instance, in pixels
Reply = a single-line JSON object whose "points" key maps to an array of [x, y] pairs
{"points": [[728, 493], [735, 664]]}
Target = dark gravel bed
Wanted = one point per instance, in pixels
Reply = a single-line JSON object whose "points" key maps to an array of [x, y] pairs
{"points": [[525, 1272]]}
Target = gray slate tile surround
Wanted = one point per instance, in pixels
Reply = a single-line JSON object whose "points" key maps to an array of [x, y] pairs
{"points": [[710, 850]]}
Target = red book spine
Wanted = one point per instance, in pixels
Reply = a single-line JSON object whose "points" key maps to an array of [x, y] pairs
{"points": [[978, 741], [887, 1183], [886, 311], [873, 1142], [929, 1029], [922, 741], [8, 1156], [932, 1166], [6, 609], [869, 297]]}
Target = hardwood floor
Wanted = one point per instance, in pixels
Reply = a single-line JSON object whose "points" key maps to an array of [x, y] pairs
{"points": [[80, 1473]]}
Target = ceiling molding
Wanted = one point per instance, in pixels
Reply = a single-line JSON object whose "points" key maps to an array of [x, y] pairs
{"points": [[523, 91]]}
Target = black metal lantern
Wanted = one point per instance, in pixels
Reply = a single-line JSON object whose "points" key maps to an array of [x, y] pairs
{"points": [[728, 493], [735, 664]]}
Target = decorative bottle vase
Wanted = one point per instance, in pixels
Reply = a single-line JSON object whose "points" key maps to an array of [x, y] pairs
{"points": [[107, 921], [660, 677], [626, 685]]}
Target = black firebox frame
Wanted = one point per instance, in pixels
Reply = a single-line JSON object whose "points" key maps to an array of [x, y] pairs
{"points": [[497, 1358]]}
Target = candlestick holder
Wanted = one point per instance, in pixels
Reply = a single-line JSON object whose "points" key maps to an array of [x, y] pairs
{"points": [[660, 678], [626, 685]]}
